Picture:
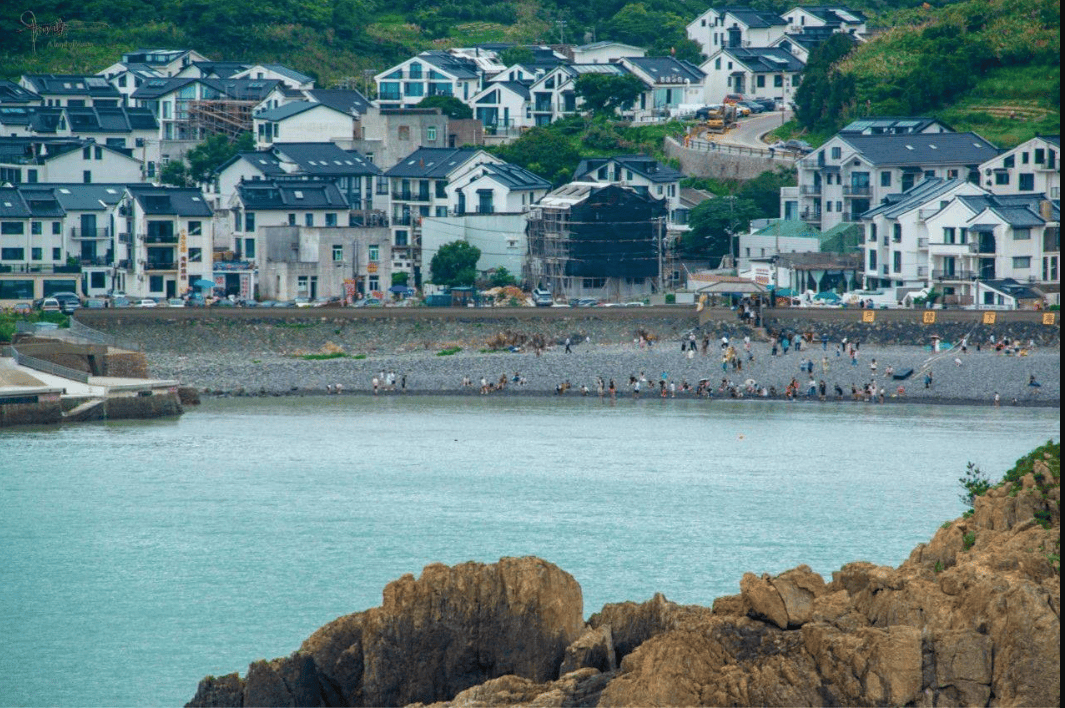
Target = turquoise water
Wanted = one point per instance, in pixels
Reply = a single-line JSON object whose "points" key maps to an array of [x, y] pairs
{"points": [[140, 556]]}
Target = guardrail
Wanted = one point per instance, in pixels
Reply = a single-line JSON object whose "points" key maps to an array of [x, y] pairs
{"points": [[48, 367], [82, 331], [712, 146]]}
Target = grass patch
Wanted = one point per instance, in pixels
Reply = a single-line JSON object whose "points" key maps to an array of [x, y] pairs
{"points": [[969, 540], [793, 131], [293, 325], [494, 351], [449, 351], [327, 357]]}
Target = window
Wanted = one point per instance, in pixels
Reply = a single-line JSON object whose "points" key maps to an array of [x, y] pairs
{"points": [[872, 233], [330, 219], [301, 284], [291, 219], [828, 206], [308, 219], [12, 227], [373, 252], [249, 222], [401, 237], [885, 179], [1050, 268], [1022, 262], [1040, 156], [35, 228], [155, 283], [413, 89], [36, 254], [249, 248], [86, 152], [837, 153], [839, 206], [717, 64], [338, 253], [31, 176], [1009, 162], [57, 228], [896, 233], [86, 176], [949, 234], [872, 260], [761, 81], [929, 174], [1052, 239], [963, 235], [195, 228], [98, 280], [1026, 181], [778, 80], [1002, 178], [375, 283], [57, 254], [896, 261], [98, 153], [440, 189], [441, 211], [195, 255], [1022, 234], [430, 133]]}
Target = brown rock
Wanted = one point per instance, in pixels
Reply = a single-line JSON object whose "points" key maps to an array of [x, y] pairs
{"points": [[633, 624], [594, 649], [797, 589], [763, 599], [225, 690]]}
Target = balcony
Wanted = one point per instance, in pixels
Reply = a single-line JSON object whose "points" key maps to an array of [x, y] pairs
{"points": [[811, 215], [951, 249], [852, 218], [401, 196], [542, 107], [401, 220], [159, 240], [125, 238], [958, 275], [97, 261], [857, 190], [810, 189], [88, 234], [160, 265], [390, 96]]}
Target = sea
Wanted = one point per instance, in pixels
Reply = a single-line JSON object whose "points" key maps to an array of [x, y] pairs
{"points": [[140, 556]]}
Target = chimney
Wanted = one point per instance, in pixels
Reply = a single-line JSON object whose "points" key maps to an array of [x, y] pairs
{"points": [[1046, 209]]}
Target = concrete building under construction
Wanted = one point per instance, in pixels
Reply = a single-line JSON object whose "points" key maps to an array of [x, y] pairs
{"points": [[590, 241]]}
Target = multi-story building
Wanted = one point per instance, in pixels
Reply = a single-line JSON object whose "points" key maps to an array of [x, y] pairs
{"points": [[72, 90], [639, 172], [590, 240], [387, 135], [735, 27], [754, 72], [671, 83], [302, 122], [170, 237], [886, 125], [426, 183], [503, 107], [127, 78], [1031, 168], [605, 52], [258, 204], [35, 159], [167, 62], [431, 73], [276, 72], [852, 172], [834, 17], [191, 109], [319, 262], [554, 94], [11, 94]]}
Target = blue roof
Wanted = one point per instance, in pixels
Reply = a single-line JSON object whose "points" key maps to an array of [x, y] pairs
{"points": [[431, 162], [326, 159], [514, 177], [670, 69], [766, 60], [914, 198], [922, 148], [170, 200], [1017, 210], [289, 109]]}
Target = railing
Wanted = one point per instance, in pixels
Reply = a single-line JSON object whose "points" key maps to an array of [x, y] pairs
{"points": [[851, 218], [938, 274], [97, 261], [810, 215], [125, 238], [390, 96], [411, 196], [90, 233], [81, 331], [48, 367], [28, 268], [155, 240], [857, 190], [810, 189], [712, 146], [161, 265], [401, 219]]}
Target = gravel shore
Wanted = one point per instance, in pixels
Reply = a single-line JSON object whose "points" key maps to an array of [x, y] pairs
{"points": [[975, 380]]}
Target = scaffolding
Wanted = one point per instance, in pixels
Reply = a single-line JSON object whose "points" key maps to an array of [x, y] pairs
{"points": [[222, 117]]}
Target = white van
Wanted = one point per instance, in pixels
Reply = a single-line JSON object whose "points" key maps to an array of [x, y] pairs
{"points": [[542, 298]]}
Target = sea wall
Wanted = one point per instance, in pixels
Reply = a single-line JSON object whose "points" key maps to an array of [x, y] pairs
{"points": [[46, 410]]}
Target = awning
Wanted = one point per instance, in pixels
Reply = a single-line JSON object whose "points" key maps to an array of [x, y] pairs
{"points": [[733, 288]]}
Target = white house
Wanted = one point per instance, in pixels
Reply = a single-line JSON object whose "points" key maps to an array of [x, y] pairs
{"points": [[852, 173], [494, 188], [127, 78], [641, 173], [167, 62], [887, 125], [898, 239], [33, 160], [554, 96], [1031, 168], [187, 108], [11, 95], [671, 83], [258, 204], [763, 73], [426, 183], [735, 27], [499, 236], [171, 239], [302, 122], [605, 52], [72, 89], [503, 106], [316, 262], [431, 73], [277, 72], [835, 17], [777, 237]]}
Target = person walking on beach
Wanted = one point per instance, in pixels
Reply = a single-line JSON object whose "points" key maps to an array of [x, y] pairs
{"points": [[568, 350], [824, 364], [824, 341], [403, 383], [1032, 382], [872, 368], [928, 379], [998, 400], [613, 390]]}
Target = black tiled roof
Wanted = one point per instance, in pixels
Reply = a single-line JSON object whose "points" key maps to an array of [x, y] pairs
{"points": [[431, 162], [922, 148], [340, 99], [170, 200], [264, 195]]}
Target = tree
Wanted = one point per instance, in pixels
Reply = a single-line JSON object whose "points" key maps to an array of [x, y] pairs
{"points": [[545, 151], [714, 223], [501, 278], [764, 191], [400, 278], [176, 173], [448, 105], [823, 92], [201, 161], [516, 55], [607, 93], [455, 264]]}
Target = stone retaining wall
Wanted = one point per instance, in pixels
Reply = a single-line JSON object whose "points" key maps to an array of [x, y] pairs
{"points": [[722, 164], [48, 412]]}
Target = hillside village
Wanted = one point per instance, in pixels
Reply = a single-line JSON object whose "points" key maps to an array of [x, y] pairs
{"points": [[344, 196]]}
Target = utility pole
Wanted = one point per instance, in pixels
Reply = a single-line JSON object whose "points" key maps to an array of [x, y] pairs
{"points": [[658, 229], [561, 31]]}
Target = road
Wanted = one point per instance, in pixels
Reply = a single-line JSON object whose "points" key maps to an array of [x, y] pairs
{"points": [[748, 131]]}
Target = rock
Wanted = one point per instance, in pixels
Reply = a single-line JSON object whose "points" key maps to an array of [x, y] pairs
{"points": [[764, 600], [633, 624], [594, 649], [797, 589], [225, 690]]}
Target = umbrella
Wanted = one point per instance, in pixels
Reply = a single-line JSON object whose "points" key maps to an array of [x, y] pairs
{"points": [[827, 295], [405, 289], [203, 283]]}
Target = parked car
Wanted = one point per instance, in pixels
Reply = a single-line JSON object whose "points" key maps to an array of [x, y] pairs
{"points": [[175, 302], [96, 303], [768, 104], [50, 304], [22, 308], [542, 298], [302, 302], [146, 302], [584, 302], [800, 146], [121, 301], [752, 106], [68, 301], [368, 302]]}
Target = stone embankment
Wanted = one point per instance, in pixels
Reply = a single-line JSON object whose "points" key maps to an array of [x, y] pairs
{"points": [[971, 618]]}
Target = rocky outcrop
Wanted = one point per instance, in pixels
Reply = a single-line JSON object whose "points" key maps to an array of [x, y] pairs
{"points": [[971, 618], [452, 628]]}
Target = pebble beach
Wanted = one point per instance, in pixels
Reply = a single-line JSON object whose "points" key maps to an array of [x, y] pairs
{"points": [[957, 378]]}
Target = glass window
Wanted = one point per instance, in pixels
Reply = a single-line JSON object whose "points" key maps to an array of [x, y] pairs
{"points": [[308, 219], [1022, 234], [195, 228], [195, 255], [57, 254], [1026, 181], [57, 228], [430, 133], [249, 248], [12, 227], [837, 153], [330, 219], [338, 253], [1022, 262], [155, 283], [1009, 162], [778, 80], [949, 234], [35, 228], [401, 238], [1002, 178], [86, 176], [896, 261], [12, 254], [249, 222], [885, 179], [374, 252], [36, 254], [291, 219], [872, 260]]}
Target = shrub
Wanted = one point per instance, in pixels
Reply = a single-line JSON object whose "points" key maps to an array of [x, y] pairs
{"points": [[969, 540], [449, 351], [974, 483]]}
